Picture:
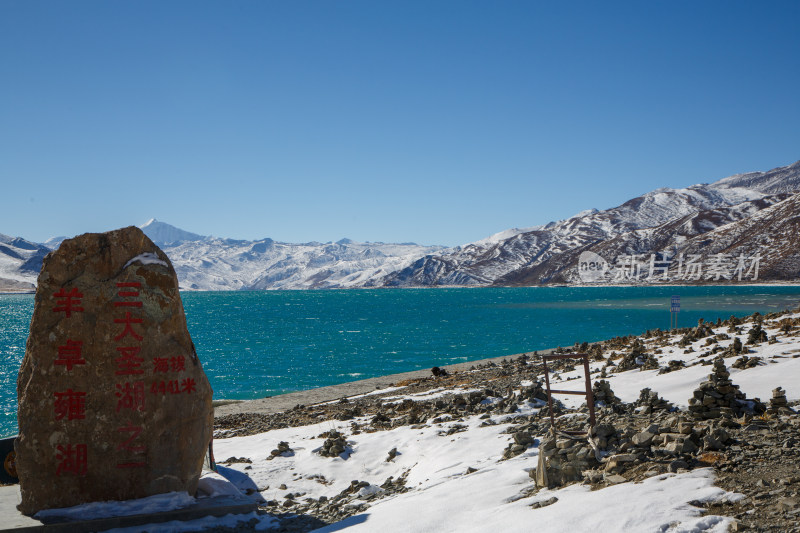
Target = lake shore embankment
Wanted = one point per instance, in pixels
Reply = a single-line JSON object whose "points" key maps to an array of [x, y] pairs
{"points": [[284, 402]]}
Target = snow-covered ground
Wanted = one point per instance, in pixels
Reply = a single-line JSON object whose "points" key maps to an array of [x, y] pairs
{"points": [[458, 481]]}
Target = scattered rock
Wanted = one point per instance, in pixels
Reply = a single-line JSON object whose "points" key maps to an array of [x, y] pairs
{"points": [[283, 450], [392, 455], [544, 503], [438, 372]]}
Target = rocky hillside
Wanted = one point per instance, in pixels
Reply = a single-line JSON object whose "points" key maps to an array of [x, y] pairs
{"points": [[665, 223]]}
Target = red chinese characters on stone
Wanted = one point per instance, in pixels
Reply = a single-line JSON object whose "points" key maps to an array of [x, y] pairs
{"points": [[175, 386], [70, 404], [129, 363], [69, 302], [127, 446], [178, 363], [128, 321], [131, 396], [72, 459], [70, 354], [188, 385], [169, 364], [160, 364], [128, 290]]}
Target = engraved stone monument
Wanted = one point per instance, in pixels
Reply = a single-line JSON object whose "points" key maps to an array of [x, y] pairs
{"points": [[113, 401]]}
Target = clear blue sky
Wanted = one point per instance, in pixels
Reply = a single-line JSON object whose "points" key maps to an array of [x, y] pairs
{"points": [[439, 122]]}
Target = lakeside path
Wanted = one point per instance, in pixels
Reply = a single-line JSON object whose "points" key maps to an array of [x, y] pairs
{"points": [[284, 402]]}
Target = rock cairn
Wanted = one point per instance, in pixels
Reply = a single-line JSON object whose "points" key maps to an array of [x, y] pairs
{"points": [[614, 454], [649, 401], [563, 460], [747, 362], [672, 366], [601, 390], [438, 372], [736, 348], [718, 396], [756, 335], [534, 393], [702, 330], [633, 359], [334, 445], [778, 403], [606, 436], [283, 450]]}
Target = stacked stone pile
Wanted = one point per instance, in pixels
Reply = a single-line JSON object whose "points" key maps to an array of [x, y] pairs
{"points": [[564, 459], [778, 403], [334, 445], [717, 396], [736, 347], [667, 442], [650, 401], [649, 362], [747, 362], [601, 390], [605, 436], [672, 366], [756, 335], [633, 359], [283, 450], [701, 331], [380, 420], [535, 392]]}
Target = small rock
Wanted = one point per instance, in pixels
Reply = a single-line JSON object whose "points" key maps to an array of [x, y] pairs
{"points": [[678, 464], [544, 503], [789, 504], [614, 479]]}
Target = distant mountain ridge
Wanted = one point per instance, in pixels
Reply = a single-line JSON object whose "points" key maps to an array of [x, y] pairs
{"points": [[641, 226], [738, 216], [227, 264]]}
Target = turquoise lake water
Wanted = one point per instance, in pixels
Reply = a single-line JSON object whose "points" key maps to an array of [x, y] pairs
{"points": [[256, 344]]}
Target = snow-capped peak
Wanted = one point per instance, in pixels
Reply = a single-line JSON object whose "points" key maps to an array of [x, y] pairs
{"points": [[162, 233]]}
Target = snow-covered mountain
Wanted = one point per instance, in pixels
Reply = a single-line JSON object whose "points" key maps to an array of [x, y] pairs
{"points": [[227, 264], [655, 222], [743, 216], [210, 263], [20, 262], [165, 235]]}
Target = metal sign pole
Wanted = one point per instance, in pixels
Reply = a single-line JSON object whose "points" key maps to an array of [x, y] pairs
{"points": [[674, 308]]}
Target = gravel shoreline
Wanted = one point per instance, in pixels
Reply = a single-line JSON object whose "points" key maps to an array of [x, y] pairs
{"points": [[284, 402]]}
